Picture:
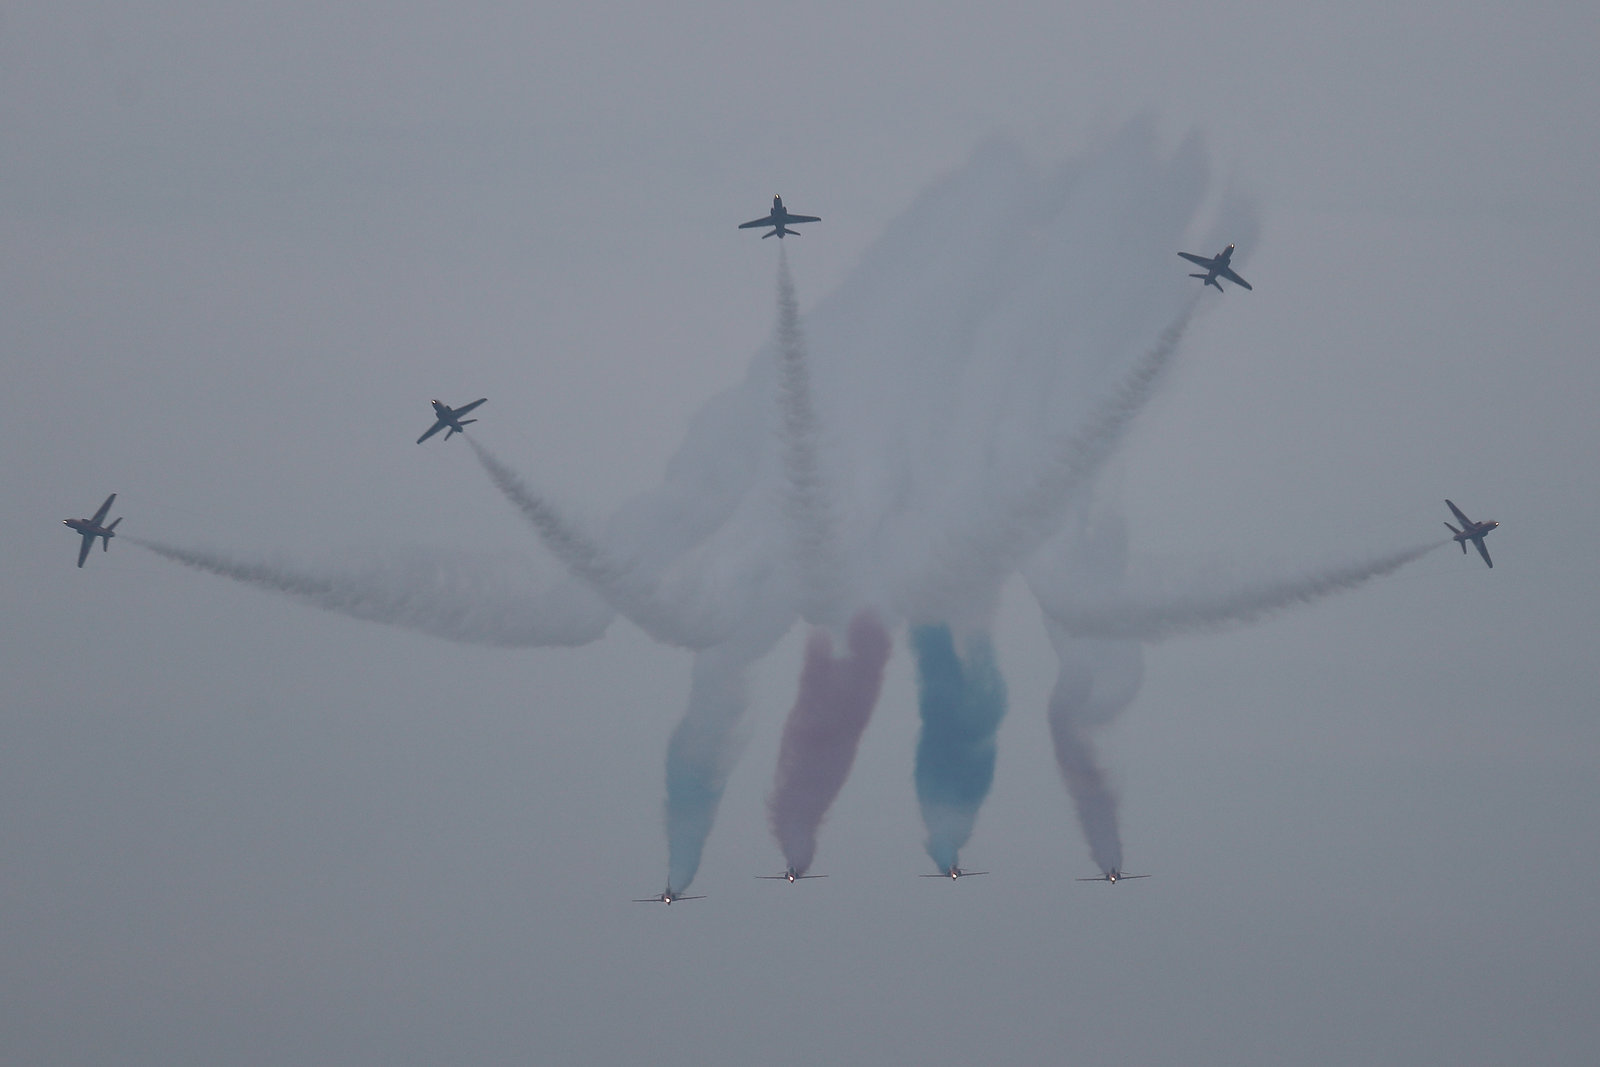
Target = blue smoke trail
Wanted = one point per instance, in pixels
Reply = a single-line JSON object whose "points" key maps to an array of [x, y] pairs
{"points": [[962, 704]]}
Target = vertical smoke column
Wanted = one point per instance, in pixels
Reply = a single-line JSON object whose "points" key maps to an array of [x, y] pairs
{"points": [[1097, 679], [962, 700], [806, 508], [700, 755], [820, 738]]}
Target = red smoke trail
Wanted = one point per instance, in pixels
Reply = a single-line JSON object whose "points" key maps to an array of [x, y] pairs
{"points": [[836, 698]]}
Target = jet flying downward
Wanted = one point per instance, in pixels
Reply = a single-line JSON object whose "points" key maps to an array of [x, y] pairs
{"points": [[667, 897], [1470, 531], [1216, 267], [789, 875], [92, 528], [1113, 876], [953, 872], [447, 416], [780, 220]]}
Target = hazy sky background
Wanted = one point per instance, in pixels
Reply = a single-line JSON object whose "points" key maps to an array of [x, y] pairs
{"points": [[251, 241]]}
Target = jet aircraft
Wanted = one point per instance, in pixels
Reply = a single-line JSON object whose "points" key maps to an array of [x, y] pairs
{"points": [[92, 528], [789, 875], [1216, 267], [952, 873], [1470, 531], [780, 219], [1113, 876], [451, 417], [667, 897]]}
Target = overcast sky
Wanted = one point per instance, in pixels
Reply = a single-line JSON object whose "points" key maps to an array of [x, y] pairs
{"points": [[249, 242]]}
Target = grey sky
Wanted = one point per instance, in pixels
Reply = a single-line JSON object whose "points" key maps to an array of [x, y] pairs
{"points": [[248, 245]]}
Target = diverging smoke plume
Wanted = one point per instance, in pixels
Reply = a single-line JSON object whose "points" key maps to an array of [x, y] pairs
{"points": [[640, 601], [807, 511], [962, 699], [461, 598], [831, 710], [1207, 604]]}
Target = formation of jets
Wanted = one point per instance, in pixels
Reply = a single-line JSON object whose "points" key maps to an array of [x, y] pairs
{"points": [[780, 220], [447, 417], [1470, 531], [91, 528], [1216, 267], [789, 875]]}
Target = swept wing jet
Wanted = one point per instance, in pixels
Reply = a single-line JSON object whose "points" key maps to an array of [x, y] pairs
{"points": [[667, 897], [953, 872], [1113, 876], [1216, 267], [447, 416], [1470, 531], [780, 219], [92, 528], [789, 875]]}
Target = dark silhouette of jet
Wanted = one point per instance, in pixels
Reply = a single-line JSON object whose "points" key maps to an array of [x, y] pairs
{"points": [[91, 528], [789, 875], [953, 872], [1470, 531], [1216, 267], [1113, 876], [667, 897], [780, 220], [448, 416]]}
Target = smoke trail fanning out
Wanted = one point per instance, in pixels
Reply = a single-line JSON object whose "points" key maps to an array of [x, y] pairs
{"points": [[1097, 679], [806, 508], [1153, 617], [454, 597], [962, 701], [700, 756], [988, 544], [835, 701], [589, 562]]}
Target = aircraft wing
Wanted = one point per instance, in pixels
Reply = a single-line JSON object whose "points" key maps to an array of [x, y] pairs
{"points": [[435, 428], [1465, 522], [1102, 878], [802, 218], [1483, 550], [460, 411], [83, 549], [100, 516], [702, 897], [1201, 260], [1125, 877], [1234, 278], [767, 221], [776, 877]]}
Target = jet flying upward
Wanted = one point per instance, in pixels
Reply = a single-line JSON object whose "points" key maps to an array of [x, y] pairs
{"points": [[1470, 531], [780, 219], [952, 873], [92, 528], [667, 897], [1113, 876], [447, 416], [1215, 268], [789, 875]]}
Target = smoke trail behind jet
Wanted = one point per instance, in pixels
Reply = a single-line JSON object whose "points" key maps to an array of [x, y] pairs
{"points": [[990, 543], [672, 624], [820, 738], [1154, 617], [806, 507], [962, 702], [457, 597]]}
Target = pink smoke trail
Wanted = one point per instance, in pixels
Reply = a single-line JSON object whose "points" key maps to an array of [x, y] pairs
{"points": [[836, 698]]}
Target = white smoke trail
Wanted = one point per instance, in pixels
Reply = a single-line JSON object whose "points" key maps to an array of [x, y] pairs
{"points": [[474, 601], [1154, 617], [807, 508], [639, 600], [970, 563]]}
